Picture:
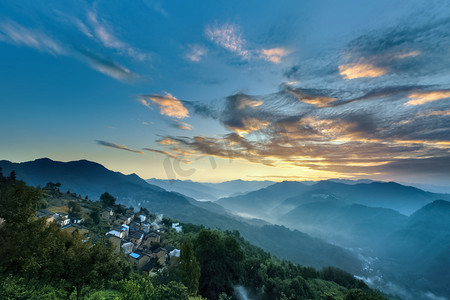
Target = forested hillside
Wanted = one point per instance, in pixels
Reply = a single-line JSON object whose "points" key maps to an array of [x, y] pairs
{"points": [[40, 261]]}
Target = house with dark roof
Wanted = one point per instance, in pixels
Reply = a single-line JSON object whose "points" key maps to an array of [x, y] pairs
{"points": [[139, 258], [136, 238], [160, 255], [151, 239], [70, 228], [43, 213]]}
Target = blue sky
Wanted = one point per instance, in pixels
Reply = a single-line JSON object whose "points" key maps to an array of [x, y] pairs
{"points": [[213, 91]]}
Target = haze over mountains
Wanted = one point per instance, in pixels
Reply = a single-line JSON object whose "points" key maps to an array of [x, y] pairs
{"points": [[92, 179], [395, 236], [209, 191]]}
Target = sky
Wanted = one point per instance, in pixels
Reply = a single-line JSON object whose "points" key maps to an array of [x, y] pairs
{"points": [[221, 90]]}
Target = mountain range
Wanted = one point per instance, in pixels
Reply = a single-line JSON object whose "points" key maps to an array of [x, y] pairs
{"points": [[391, 234], [92, 179], [205, 191]]}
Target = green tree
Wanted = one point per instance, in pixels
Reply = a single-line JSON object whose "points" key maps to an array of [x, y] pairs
{"points": [[18, 202], [172, 291], [75, 211], [189, 267], [220, 257], [95, 215], [107, 200]]}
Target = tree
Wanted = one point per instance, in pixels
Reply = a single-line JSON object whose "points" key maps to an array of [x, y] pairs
{"points": [[189, 267], [18, 202], [95, 215], [220, 257], [13, 176], [107, 200], [75, 211]]}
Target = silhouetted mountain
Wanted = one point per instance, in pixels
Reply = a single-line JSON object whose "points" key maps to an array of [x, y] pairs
{"points": [[92, 179], [404, 199], [83, 177], [419, 252], [209, 191]]}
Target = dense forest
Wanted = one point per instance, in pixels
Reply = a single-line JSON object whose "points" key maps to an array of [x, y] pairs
{"points": [[40, 261]]}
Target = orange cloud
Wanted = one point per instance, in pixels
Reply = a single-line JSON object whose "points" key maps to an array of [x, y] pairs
{"points": [[168, 105], [185, 126], [358, 70], [160, 152], [246, 102], [318, 101], [167, 141], [274, 55], [408, 54], [425, 97], [435, 113], [250, 125]]}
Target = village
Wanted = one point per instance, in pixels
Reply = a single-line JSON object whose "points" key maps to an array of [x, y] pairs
{"points": [[137, 235]]}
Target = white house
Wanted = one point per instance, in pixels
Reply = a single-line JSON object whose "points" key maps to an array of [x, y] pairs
{"points": [[177, 227], [175, 253], [62, 219]]}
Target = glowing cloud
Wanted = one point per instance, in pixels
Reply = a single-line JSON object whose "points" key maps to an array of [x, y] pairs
{"points": [[167, 141], [185, 126], [425, 97], [160, 152], [274, 54], [250, 125], [408, 54], [435, 113], [317, 101], [352, 71], [228, 37], [168, 105], [246, 102]]}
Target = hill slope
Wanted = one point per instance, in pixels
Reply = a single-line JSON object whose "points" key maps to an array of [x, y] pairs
{"points": [[90, 178]]}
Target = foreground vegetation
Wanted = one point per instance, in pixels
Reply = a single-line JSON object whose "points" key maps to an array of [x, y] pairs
{"points": [[40, 261]]}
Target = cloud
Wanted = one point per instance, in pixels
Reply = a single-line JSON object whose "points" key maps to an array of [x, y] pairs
{"points": [[274, 54], [360, 70], [107, 67], [228, 36], [167, 141], [107, 38], [195, 53], [420, 98], [434, 113], [412, 48], [246, 102], [112, 145], [19, 35], [314, 97], [161, 152], [168, 105], [250, 125], [202, 109], [185, 126], [343, 131]]}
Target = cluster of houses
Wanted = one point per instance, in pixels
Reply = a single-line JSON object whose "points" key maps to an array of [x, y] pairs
{"points": [[63, 220], [140, 239], [133, 234]]}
